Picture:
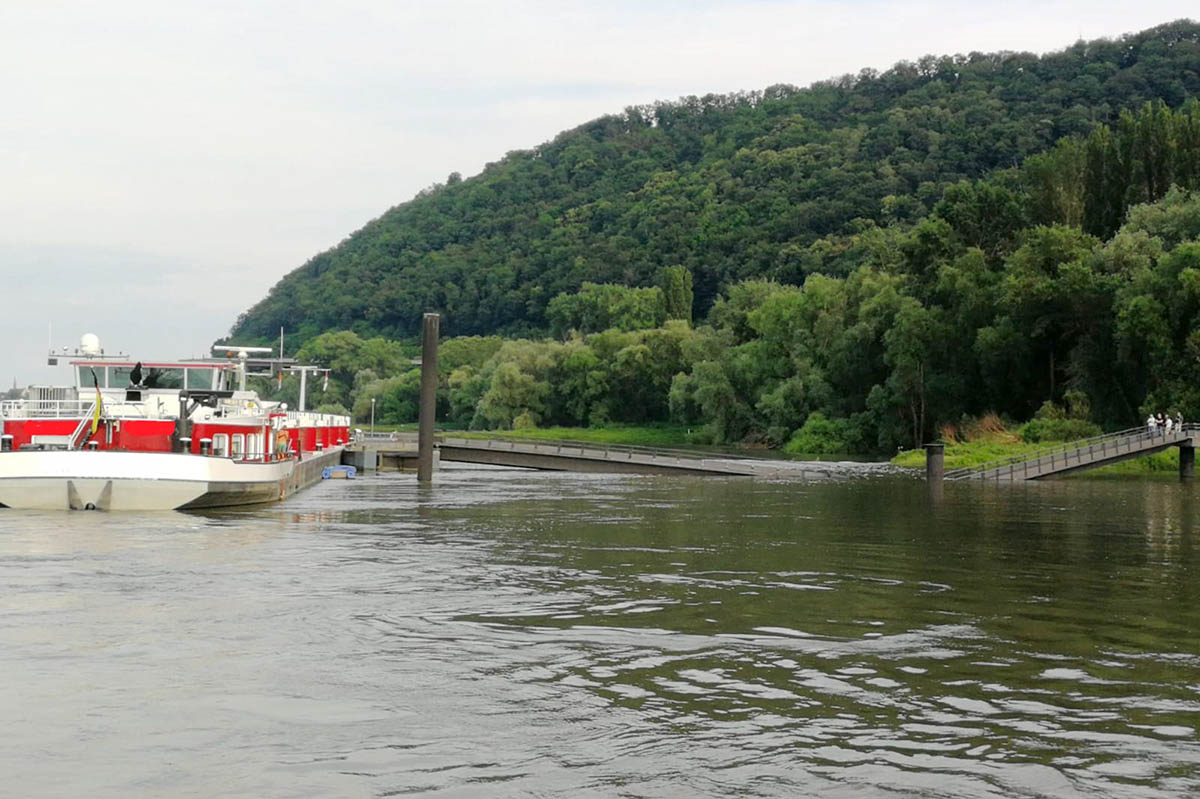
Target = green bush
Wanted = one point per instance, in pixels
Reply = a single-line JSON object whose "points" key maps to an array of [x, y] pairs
{"points": [[1050, 411], [821, 436], [1049, 429], [527, 420]]}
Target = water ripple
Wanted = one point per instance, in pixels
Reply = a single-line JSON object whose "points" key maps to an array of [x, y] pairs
{"points": [[518, 634]]}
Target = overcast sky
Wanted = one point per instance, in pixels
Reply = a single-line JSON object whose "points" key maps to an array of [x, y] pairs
{"points": [[163, 164]]}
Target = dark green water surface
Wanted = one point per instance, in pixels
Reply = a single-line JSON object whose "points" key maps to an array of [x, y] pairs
{"points": [[509, 633]]}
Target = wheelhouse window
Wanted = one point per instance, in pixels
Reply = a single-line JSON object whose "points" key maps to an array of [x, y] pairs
{"points": [[118, 376], [152, 377], [198, 379], [163, 378], [237, 446], [86, 380], [220, 445]]}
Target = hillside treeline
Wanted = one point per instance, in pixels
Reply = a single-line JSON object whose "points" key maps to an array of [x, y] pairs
{"points": [[778, 185], [1076, 275]]}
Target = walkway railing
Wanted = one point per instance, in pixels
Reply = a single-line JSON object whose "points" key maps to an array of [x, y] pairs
{"points": [[571, 454], [567, 443], [1073, 454], [674, 452], [623, 455]]}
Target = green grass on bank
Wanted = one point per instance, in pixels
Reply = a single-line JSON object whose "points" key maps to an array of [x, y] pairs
{"points": [[961, 455], [971, 453], [651, 435]]}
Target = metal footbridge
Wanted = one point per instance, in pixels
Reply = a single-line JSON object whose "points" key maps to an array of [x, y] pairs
{"points": [[399, 451], [1088, 453], [579, 457]]}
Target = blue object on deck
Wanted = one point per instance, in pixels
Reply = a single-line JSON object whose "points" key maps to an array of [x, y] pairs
{"points": [[345, 472]]}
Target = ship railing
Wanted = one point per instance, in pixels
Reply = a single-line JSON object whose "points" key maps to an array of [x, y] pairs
{"points": [[43, 408], [303, 418], [82, 430], [69, 409]]}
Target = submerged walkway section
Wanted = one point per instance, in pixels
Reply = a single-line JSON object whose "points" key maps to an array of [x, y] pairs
{"points": [[578, 457], [1089, 453], [398, 451]]}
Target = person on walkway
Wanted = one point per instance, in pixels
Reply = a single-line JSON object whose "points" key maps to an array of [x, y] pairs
{"points": [[1151, 423], [1179, 421], [1162, 422], [1169, 423]]}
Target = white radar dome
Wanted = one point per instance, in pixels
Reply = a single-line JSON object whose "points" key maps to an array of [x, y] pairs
{"points": [[89, 344]]}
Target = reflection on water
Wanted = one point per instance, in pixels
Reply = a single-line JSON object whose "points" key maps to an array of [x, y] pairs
{"points": [[511, 634]]}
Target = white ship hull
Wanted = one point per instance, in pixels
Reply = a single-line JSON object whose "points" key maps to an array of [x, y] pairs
{"points": [[114, 480]]}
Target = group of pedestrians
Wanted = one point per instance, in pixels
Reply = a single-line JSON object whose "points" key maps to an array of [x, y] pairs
{"points": [[1163, 423]]}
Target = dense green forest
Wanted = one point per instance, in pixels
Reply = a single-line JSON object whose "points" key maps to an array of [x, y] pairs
{"points": [[864, 260], [757, 184]]}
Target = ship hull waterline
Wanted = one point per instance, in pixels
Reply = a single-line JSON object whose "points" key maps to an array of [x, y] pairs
{"points": [[146, 481]]}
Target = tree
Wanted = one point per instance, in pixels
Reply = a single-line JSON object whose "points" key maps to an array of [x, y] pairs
{"points": [[1108, 175], [579, 383], [1035, 295], [984, 215], [397, 399], [1173, 220], [598, 307], [512, 393], [915, 341], [1056, 181], [677, 292], [465, 387]]}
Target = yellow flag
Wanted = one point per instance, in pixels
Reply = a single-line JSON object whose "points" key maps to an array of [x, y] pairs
{"points": [[96, 411]]}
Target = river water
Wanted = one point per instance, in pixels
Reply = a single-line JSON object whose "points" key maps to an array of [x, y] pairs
{"points": [[509, 633]]}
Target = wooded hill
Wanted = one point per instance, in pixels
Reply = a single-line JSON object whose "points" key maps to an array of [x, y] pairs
{"points": [[779, 184], [846, 268]]}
